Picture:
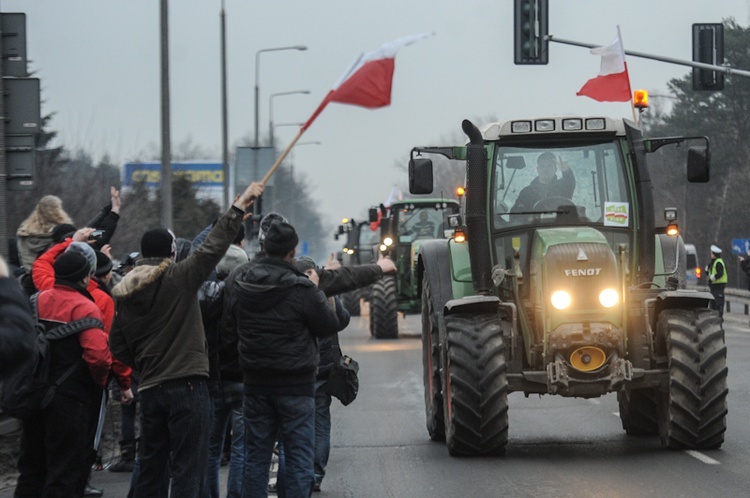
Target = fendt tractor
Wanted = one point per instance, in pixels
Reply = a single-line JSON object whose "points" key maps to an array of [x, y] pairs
{"points": [[357, 250], [578, 293], [403, 227]]}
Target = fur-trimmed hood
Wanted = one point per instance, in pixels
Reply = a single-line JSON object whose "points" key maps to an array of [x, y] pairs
{"points": [[136, 287]]}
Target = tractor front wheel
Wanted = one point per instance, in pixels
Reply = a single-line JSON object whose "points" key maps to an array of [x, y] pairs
{"points": [[693, 409], [384, 309], [475, 386], [433, 397]]}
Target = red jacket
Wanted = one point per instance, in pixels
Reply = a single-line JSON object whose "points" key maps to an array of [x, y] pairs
{"points": [[64, 304], [43, 274]]}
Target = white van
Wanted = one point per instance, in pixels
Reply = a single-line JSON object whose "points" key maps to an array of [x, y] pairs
{"points": [[693, 270]]}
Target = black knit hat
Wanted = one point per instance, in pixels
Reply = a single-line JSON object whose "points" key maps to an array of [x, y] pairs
{"points": [[281, 239], [71, 267], [62, 232], [103, 264], [158, 243]]}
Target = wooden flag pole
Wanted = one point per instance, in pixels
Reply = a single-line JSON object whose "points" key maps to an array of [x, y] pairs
{"points": [[281, 157]]}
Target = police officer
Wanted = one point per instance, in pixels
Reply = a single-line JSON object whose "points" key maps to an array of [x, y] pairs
{"points": [[717, 279]]}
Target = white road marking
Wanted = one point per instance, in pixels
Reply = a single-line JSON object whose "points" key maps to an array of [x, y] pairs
{"points": [[703, 458], [594, 401]]}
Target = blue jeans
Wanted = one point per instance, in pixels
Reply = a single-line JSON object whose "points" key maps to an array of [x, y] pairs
{"points": [[175, 418], [228, 407], [291, 420], [322, 429]]}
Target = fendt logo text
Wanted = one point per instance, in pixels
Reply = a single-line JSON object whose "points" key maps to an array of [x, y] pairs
{"points": [[587, 272]]}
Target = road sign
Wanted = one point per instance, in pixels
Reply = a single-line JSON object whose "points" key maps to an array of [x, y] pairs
{"points": [[740, 246]]}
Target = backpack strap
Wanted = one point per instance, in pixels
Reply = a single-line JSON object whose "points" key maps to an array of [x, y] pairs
{"points": [[62, 331]]}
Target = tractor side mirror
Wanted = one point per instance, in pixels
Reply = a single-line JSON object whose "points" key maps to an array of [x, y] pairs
{"points": [[340, 230], [515, 162], [420, 176], [372, 214], [698, 164]]}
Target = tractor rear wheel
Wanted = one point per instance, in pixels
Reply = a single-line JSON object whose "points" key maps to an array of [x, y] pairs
{"points": [[638, 411], [433, 397], [475, 386], [693, 409], [384, 309]]}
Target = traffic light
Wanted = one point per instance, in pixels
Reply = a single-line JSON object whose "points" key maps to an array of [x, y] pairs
{"points": [[708, 48], [530, 26]]}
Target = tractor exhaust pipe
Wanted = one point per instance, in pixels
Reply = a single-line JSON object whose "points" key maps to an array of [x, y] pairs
{"points": [[477, 223]]}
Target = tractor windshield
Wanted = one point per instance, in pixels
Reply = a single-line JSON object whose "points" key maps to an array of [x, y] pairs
{"points": [[424, 221], [582, 184]]}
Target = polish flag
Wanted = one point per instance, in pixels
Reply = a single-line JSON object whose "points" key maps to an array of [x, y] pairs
{"points": [[613, 82], [367, 82]]}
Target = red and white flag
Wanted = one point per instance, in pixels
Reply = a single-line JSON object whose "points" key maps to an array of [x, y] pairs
{"points": [[613, 82], [367, 82]]}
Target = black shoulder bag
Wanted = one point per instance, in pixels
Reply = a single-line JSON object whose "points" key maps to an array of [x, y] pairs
{"points": [[343, 382]]}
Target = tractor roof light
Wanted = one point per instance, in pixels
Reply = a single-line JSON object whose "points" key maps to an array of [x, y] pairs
{"points": [[459, 236], [460, 191], [640, 99], [670, 214], [345, 221], [454, 220], [673, 230]]}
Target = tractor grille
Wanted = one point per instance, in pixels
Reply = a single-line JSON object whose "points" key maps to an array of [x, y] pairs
{"points": [[584, 270]]}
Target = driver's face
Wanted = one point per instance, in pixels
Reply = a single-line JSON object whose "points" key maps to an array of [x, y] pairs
{"points": [[546, 170]]}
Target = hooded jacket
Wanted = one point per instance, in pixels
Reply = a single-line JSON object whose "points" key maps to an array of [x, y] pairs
{"points": [[158, 327], [280, 314]]}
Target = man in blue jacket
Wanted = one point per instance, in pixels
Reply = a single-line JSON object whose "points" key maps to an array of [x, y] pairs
{"points": [[280, 313]]}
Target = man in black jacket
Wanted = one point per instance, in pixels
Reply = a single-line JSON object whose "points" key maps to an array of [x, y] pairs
{"points": [[280, 313]]}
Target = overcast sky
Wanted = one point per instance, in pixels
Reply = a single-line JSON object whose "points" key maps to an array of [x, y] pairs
{"points": [[98, 61]]}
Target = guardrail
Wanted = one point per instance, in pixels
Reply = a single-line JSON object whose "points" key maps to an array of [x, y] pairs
{"points": [[740, 297]]}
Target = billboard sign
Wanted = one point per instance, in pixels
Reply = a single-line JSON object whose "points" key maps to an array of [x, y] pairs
{"points": [[201, 174]]}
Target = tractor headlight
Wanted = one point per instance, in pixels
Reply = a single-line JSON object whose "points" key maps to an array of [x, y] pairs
{"points": [[560, 300], [388, 241], [608, 298], [383, 247]]}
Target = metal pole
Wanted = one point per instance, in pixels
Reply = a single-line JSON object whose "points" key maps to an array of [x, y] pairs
{"points": [[670, 60], [3, 174], [166, 156], [224, 120]]}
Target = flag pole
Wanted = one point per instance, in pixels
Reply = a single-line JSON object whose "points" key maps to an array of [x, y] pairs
{"points": [[282, 156]]}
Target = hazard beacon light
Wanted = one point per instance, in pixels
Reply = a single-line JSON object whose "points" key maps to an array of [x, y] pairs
{"points": [[640, 99]]}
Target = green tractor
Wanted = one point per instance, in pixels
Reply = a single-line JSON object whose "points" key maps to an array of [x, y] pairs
{"points": [[576, 292], [357, 250], [403, 227]]}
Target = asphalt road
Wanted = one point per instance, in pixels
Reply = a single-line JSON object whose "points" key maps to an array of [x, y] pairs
{"points": [[558, 446]]}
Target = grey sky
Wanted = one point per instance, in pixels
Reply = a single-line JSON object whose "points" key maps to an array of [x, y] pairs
{"points": [[98, 61]]}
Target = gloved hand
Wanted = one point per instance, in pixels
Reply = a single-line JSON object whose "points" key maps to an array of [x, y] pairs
{"points": [[712, 277]]}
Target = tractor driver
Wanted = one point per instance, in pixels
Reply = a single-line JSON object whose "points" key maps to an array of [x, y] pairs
{"points": [[547, 184], [422, 229]]}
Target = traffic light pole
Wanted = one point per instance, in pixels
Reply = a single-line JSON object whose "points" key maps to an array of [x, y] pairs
{"points": [[699, 65]]}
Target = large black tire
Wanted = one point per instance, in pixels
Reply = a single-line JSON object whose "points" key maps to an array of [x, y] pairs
{"points": [[475, 386], [638, 411], [433, 397], [692, 411], [384, 309], [350, 300]]}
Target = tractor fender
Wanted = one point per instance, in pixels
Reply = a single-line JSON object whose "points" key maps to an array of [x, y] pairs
{"points": [[473, 305], [677, 299], [435, 265]]}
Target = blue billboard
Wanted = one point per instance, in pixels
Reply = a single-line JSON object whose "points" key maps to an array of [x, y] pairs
{"points": [[201, 174]]}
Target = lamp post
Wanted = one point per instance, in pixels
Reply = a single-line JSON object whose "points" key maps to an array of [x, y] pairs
{"points": [[257, 79], [270, 107]]}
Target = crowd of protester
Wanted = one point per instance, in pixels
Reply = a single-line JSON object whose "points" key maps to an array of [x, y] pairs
{"points": [[208, 341]]}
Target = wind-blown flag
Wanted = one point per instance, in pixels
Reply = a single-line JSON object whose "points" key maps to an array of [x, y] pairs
{"points": [[367, 82], [613, 82]]}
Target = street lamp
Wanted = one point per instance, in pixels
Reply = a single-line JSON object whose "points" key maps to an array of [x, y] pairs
{"points": [[270, 107], [257, 74]]}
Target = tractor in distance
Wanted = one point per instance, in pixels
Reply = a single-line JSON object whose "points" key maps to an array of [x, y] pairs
{"points": [[578, 292], [357, 250], [402, 228]]}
